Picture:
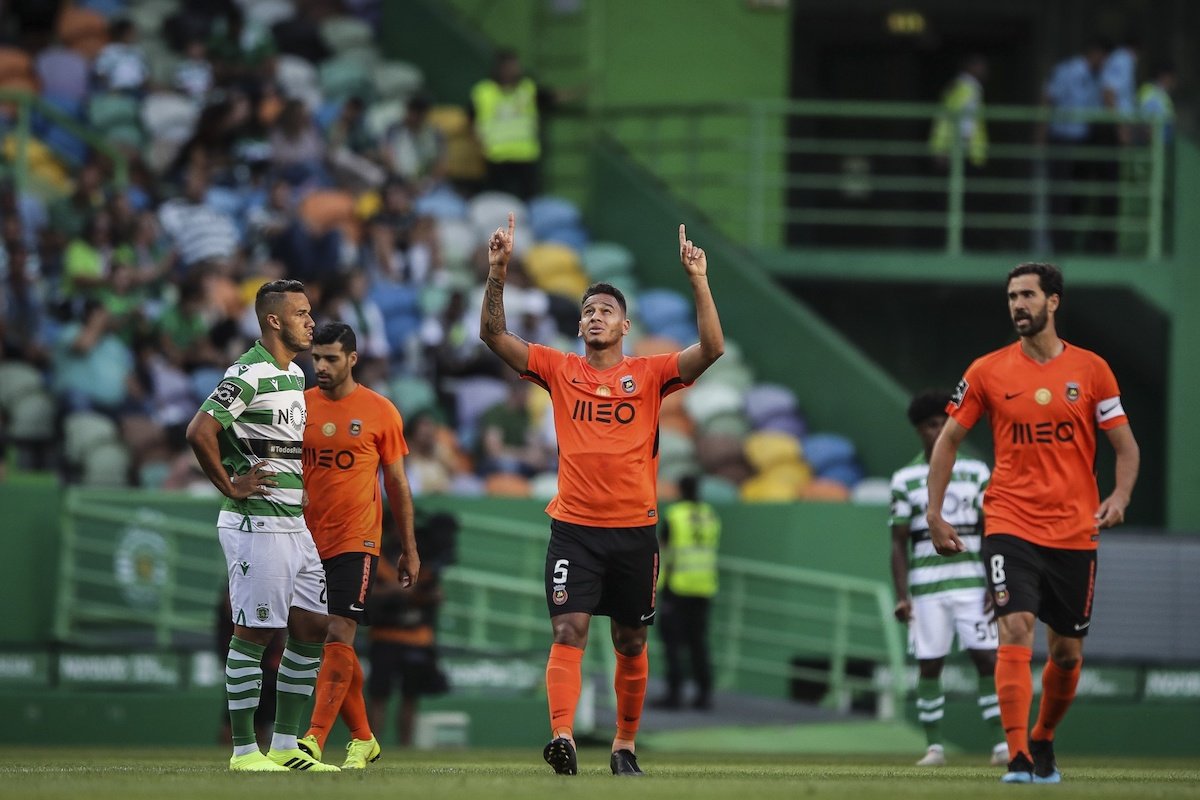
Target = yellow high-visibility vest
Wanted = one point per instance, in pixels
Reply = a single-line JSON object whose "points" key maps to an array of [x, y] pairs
{"points": [[507, 120], [691, 556], [961, 105]]}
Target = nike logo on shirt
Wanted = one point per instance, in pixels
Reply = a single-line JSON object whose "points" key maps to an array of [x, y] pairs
{"points": [[1008, 396]]}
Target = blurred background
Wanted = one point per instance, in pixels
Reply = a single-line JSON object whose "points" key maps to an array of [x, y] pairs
{"points": [[862, 174]]}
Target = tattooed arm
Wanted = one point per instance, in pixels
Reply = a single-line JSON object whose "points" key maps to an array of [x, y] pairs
{"points": [[493, 329]]}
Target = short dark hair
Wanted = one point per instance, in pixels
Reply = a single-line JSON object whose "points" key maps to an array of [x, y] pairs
{"points": [[1050, 277], [330, 332], [270, 293], [929, 403], [605, 288]]}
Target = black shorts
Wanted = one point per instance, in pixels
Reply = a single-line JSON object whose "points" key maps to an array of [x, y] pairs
{"points": [[1054, 584], [414, 668], [606, 572], [348, 578]]}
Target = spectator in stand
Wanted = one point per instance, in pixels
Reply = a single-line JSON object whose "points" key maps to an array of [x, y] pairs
{"points": [[62, 73], [121, 65], [352, 305], [198, 232], [93, 369], [87, 262], [415, 150], [69, 215], [194, 73], [431, 464], [24, 324], [507, 440], [350, 145], [399, 238], [297, 151], [183, 329]]}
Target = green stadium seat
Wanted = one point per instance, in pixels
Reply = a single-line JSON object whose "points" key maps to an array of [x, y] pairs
{"points": [[342, 78], [412, 396], [398, 80], [107, 111], [31, 417], [346, 33], [85, 430], [106, 465], [608, 261], [17, 379]]}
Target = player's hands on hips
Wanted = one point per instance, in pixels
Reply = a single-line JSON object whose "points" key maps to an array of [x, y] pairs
{"points": [[903, 610], [409, 564], [1111, 512], [500, 246], [255, 482], [692, 257], [944, 537]]}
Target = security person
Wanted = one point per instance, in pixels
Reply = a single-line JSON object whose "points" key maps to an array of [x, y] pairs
{"points": [[962, 109], [505, 107], [687, 582]]}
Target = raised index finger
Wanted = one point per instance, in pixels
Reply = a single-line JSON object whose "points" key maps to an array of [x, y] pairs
{"points": [[512, 224], [682, 235]]}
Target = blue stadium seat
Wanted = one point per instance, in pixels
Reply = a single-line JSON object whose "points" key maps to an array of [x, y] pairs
{"points": [[548, 213]]}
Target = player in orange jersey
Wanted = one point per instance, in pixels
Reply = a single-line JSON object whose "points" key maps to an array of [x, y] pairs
{"points": [[1044, 398], [603, 554], [351, 433]]}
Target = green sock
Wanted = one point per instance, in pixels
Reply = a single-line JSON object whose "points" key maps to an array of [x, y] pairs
{"points": [[989, 703], [930, 708], [243, 682], [297, 678]]}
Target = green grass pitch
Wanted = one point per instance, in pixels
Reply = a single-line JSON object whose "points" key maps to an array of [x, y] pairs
{"points": [[94, 774]]}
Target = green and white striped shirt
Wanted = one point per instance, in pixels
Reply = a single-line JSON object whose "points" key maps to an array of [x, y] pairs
{"points": [[928, 572], [261, 410]]}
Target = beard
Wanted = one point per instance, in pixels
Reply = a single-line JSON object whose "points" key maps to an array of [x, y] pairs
{"points": [[1037, 323], [296, 343]]}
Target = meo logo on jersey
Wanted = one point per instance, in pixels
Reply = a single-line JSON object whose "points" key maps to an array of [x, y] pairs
{"points": [[604, 413]]}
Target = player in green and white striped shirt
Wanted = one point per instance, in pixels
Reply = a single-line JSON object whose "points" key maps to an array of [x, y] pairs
{"points": [[248, 438], [939, 595]]}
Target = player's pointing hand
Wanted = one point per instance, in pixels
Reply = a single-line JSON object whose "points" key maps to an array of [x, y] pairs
{"points": [[500, 246], [691, 256]]}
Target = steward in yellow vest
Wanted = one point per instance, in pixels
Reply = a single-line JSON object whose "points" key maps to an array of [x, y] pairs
{"points": [[505, 109]]}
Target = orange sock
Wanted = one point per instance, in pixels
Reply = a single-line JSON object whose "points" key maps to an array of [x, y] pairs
{"points": [[563, 680], [333, 682], [1058, 691], [630, 683], [354, 708], [1014, 688]]}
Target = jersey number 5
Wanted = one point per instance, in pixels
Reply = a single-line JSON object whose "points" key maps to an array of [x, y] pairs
{"points": [[560, 570]]}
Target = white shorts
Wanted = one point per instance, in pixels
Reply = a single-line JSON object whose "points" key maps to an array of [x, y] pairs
{"points": [[270, 573], [937, 617]]}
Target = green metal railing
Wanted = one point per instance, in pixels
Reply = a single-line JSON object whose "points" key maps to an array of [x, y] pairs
{"points": [[849, 172], [19, 124], [132, 575]]}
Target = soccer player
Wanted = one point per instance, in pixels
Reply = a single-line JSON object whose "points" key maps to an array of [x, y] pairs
{"points": [[1044, 398], [351, 433], [247, 438], [940, 596], [603, 554]]}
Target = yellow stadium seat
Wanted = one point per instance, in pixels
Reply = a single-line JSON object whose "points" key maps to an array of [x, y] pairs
{"points": [[765, 449]]}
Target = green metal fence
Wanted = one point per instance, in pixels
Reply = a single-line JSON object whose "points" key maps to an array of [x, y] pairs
{"points": [[851, 173], [133, 574], [18, 111]]}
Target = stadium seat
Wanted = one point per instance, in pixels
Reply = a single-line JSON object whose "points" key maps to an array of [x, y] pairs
{"points": [[768, 489], [382, 115], [547, 213], [464, 159], [848, 474], [106, 465], [659, 309], [710, 400], [15, 63], [489, 210], [607, 261], [572, 236], [827, 450], [81, 25], [791, 424], [766, 449], [161, 60], [458, 240], [654, 345], [717, 490], [397, 80], [109, 9], [31, 417], [83, 431], [148, 15], [344, 77], [412, 395], [474, 395], [872, 492], [543, 486], [268, 12], [769, 400], [828, 491], [17, 379], [109, 109], [297, 76], [442, 204], [169, 116], [346, 33]]}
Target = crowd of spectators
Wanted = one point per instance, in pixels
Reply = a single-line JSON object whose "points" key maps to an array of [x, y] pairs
{"points": [[244, 144]]}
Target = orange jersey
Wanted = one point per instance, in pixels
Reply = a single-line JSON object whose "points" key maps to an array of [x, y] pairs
{"points": [[607, 427], [1044, 419], [345, 443]]}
